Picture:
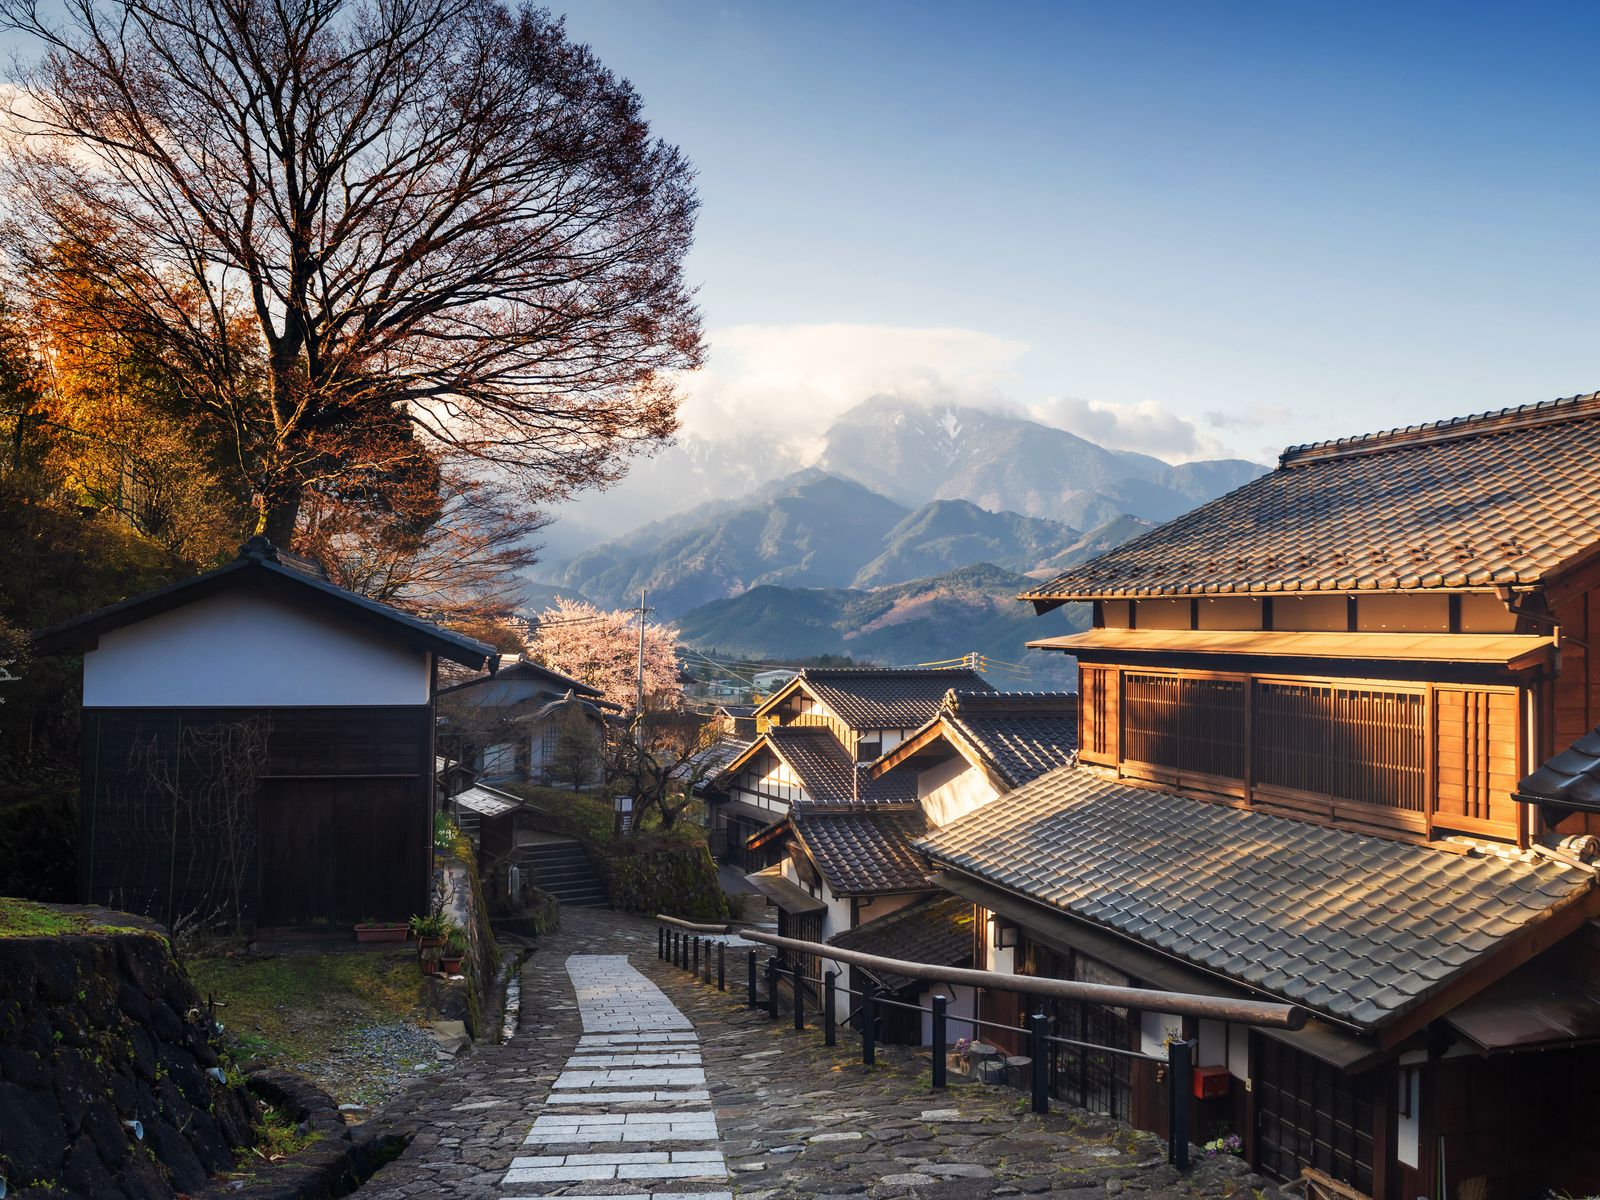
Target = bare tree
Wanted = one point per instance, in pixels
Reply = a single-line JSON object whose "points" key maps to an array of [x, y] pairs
{"points": [[661, 769], [207, 780], [361, 223]]}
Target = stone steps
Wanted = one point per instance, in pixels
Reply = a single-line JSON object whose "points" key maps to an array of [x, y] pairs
{"points": [[564, 870]]}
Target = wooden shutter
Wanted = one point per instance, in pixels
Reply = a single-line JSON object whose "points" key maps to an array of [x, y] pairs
{"points": [[1097, 714], [1476, 739]]}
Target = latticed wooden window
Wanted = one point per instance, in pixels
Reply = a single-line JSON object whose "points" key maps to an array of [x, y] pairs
{"points": [[1192, 724], [1362, 744]]}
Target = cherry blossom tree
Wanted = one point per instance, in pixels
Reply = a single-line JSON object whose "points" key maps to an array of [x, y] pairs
{"points": [[601, 647]]}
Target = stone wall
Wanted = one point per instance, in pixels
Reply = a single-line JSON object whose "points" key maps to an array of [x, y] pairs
{"points": [[108, 1069], [675, 878]]}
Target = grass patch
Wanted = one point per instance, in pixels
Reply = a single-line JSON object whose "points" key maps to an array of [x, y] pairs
{"points": [[279, 1138], [298, 1008], [24, 918]]}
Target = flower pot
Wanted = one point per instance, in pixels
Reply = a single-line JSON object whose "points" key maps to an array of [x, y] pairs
{"points": [[381, 931], [450, 966], [430, 966], [429, 943]]}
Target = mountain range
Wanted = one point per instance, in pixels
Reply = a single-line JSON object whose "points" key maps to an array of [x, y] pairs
{"points": [[907, 541], [971, 610]]}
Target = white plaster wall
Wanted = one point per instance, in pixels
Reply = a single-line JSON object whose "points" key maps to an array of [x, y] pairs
{"points": [[247, 651], [951, 790]]}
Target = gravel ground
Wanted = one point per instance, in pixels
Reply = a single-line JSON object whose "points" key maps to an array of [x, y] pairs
{"points": [[377, 1064]]}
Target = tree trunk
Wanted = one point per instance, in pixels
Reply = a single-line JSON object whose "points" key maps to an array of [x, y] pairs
{"points": [[280, 514]]}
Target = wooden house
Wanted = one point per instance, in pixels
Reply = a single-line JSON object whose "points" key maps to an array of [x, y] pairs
{"points": [[258, 743], [507, 726], [1305, 711], [857, 712]]}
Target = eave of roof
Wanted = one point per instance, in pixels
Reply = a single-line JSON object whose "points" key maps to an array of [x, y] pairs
{"points": [[258, 570], [1511, 650]]}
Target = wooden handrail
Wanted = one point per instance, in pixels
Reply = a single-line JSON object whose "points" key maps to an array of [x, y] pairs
{"points": [[1212, 1008]]}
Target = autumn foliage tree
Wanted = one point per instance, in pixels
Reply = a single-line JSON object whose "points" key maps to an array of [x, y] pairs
{"points": [[376, 245], [601, 648]]}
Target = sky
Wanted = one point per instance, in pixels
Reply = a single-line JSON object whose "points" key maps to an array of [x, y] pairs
{"points": [[1191, 229]]}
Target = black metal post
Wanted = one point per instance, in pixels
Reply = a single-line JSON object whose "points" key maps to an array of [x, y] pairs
{"points": [[694, 969], [799, 998], [772, 987], [722, 966], [869, 1024], [830, 1032], [1180, 1083], [705, 963], [661, 941], [940, 1004], [751, 977], [677, 948], [1040, 1025]]}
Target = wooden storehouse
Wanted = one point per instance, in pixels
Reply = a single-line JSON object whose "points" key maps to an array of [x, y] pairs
{"points": [[258, 744], [1305, 711]]}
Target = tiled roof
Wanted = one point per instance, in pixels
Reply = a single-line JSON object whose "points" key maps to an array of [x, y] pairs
{"points": [[862, 853], [1021, 735], [1570, 780], [1497, 498], [934, 931], [885, 698], [831, 778], [1359, 928]]}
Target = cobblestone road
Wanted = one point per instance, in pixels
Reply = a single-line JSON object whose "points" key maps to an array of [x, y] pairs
{"points": [[627, 1078]]}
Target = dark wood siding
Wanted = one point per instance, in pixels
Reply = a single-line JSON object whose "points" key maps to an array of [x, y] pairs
{"points": [[1310, 1114], [143, 850]]}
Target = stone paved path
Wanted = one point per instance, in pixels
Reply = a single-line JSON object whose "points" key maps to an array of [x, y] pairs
{"points": [[629, 1079]]}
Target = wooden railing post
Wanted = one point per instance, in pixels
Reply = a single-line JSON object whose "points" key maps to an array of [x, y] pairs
{"points": [[1040, 1025], [940, 1004], [830, 1032], [869, 1022], [1180, 1083]]}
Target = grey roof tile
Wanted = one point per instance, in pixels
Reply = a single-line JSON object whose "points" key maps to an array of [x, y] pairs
{"points": [[935, 931], [1500, 497], [1359, 928], [830, 776], [886, 698], [865, 852]]}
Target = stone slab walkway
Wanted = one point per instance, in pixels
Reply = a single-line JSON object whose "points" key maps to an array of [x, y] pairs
{"points": [[629, 1079]]}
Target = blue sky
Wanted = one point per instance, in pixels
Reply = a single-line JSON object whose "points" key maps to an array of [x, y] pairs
{"points": [[1191, 228]]}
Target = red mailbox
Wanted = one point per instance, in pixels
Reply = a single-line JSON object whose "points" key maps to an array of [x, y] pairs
{"points": [[1210, 1082]]}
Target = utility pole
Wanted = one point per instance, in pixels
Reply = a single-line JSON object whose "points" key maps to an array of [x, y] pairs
{"points": [[638, 705]]}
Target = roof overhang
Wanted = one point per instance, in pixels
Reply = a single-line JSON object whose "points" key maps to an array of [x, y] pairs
{"points": [[790, 897], [267, 576], [487, 801], [1509, 651], [1319, 1038]]}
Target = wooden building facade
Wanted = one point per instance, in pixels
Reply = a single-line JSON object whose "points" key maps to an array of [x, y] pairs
{"points": [[258, 746], [1327, 697]]}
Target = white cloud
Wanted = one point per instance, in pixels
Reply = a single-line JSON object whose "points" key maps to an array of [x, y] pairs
{"points": [[789, 382], [1149, 427], [793, 380]]}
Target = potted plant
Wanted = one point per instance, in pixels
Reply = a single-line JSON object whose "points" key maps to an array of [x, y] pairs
{"points": [[429, 930], [380, 931], [430, 960], [455, 950]]}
